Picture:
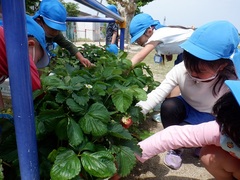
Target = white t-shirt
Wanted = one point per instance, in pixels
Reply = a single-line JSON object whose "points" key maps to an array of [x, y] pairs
{"points": [[170, 39], [196, 94]]}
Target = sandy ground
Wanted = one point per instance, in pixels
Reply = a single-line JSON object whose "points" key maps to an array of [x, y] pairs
{"points": [[154, 168]]}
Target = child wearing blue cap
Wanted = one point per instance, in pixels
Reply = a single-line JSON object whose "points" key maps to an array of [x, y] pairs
{"points": [[152, 35], [38, 56], [52, 17], [220, 139], [112, 28], [206, 65]]}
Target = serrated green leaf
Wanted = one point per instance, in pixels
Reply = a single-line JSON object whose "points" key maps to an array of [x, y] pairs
{"points": [[126, 160], [118, 131], [61, 129], [74, 132], [75, 107], [95, 120], [138, 71], [122, 100], [139, 93], [81, 100], [1, 170], [52, 81], [66, 166], [94, 126], [60, 97], [89, 146], [50, 118], [99, 111], [99, 164]]}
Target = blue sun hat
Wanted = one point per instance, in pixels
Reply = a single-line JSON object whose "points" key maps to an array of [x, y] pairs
{"points": [[113, 8], [53, 13], [35, 30], [234, 86], [213, 41], [139, 25], [112, 48]]}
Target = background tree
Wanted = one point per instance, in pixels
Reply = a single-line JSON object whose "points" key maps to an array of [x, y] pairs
{"points": [[31, 6], [72, 8], [127, 9]]}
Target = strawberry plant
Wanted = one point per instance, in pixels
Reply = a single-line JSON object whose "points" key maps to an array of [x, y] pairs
{"points": [[78, 114]]}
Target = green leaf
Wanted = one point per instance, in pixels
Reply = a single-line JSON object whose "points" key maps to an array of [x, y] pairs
{"points": [[50, 118], [100, 164], [52, 81], [99, 111], [66, 166], [139, 93], [61, 129], [60, 97], [122, 100], [81, 100], [94, 126], [75, 107], [125, 160], [95, 120], [74, 132], [117, 130], [1, 170]]}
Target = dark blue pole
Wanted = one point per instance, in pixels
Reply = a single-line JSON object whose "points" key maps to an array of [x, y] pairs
{"points": [[101, 8], [122, 33], [14, 24]]}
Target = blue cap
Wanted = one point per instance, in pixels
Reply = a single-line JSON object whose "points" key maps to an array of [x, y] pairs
{"points": [[35, 30], [234, 86], [112, 48], [236, 62], [140, 23], [53, 13], [212, 41], [113, 8]]}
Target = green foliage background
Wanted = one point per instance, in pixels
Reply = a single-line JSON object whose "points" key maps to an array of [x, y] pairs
{"points": [[78, 116]]}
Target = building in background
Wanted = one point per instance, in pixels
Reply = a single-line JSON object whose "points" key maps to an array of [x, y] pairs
{"points": [[85, 31]]}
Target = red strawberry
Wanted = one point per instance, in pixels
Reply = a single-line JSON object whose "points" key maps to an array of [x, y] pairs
{"points": [[126, 122]]}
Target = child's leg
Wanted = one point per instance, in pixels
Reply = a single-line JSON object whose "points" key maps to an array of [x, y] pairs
{"points": [[220, 163], [173, 112]]}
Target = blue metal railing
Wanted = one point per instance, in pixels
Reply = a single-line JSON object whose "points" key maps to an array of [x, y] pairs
{"points": [[21, 91], [101, 8], [19, 76]]}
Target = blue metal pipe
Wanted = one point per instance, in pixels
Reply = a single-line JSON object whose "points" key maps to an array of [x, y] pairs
{"points": [[89, 19], [101, 8], [21, 90], [122, 33]]}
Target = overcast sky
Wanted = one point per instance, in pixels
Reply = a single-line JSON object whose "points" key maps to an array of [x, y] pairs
{"points": [[186, 12]]}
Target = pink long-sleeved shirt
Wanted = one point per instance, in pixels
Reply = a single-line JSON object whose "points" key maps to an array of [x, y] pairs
{"points": [[175, 137]]}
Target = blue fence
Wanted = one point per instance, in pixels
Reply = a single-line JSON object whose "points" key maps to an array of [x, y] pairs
{"points": [[19, 76]]}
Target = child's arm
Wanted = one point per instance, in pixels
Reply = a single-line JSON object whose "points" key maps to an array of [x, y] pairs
{"points": [[137, 58], [175, 137], [114, 37]]}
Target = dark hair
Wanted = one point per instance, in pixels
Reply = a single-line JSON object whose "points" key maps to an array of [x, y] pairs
{"points": [[227, 111], [192, 64]]}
